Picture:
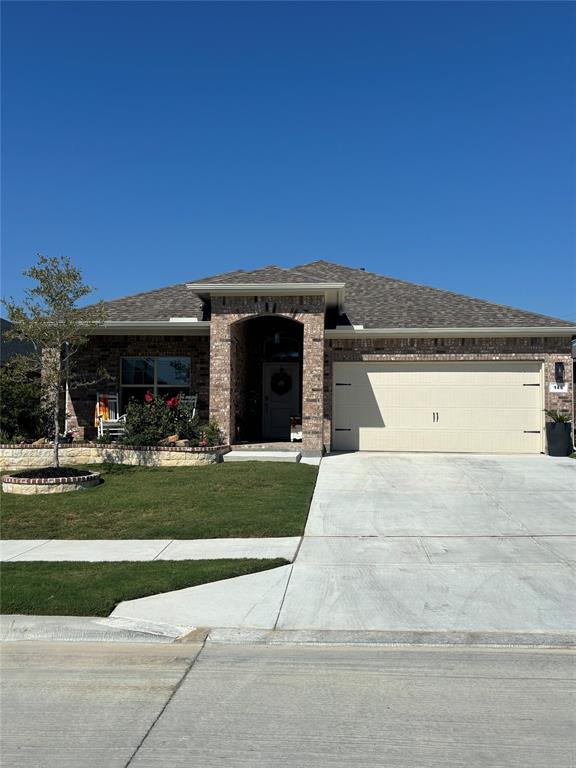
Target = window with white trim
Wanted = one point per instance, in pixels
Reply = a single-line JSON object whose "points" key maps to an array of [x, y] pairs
{"points": [[158, 375]]}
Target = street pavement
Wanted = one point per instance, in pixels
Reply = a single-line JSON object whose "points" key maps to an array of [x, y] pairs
{"points": [[115, 705]]}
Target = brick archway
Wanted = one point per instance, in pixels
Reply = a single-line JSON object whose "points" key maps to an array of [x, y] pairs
{"points": [[228, 315]]}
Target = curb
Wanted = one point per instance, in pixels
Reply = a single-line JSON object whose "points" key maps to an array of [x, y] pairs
{"points": [[543, 640], [92, 629], [14, 628]]}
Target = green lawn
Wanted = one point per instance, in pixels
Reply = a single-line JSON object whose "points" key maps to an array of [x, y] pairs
{"points": [[94, 589], [244, 499]]}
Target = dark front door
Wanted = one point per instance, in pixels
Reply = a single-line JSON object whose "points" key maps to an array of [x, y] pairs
{"points": [[280, 399]]}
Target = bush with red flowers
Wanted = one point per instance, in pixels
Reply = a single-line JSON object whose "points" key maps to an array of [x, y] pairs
{"points": [[158, 417]]}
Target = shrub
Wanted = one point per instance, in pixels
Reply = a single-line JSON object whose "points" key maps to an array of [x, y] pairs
{"points": [[104, 439], [157, 418], [22, 415], [15, 439], [558, 417], [210, 434]]}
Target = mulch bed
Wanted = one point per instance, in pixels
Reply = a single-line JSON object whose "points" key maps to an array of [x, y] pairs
{"points": [[47, 472]]}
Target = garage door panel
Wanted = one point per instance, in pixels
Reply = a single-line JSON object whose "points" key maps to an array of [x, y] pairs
{"points": [[440, 441], [489, 418], [435, 397], [424, 418], [357, 371], [468, 407]]}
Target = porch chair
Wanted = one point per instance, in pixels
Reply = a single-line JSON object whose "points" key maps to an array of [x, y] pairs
{"points": [[191, 401], [108, 419]]}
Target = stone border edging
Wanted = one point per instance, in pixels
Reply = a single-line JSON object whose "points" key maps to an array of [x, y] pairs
{"points": [[14, 458], [73, 479], [30, 485], [120, 447]]}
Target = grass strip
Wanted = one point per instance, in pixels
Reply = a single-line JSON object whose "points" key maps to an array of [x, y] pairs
{"points": [[94, 589]]}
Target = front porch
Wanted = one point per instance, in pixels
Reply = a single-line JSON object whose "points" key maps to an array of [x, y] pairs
{"points": [[130, 366], [266, 372], [258, 371]]}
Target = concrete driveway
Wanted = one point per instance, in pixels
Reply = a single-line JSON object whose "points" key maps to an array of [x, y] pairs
{"points": [[437, 542], [410, 543]]}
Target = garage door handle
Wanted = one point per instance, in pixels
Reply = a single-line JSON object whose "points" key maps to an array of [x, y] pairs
{"points": [[435, 417]]}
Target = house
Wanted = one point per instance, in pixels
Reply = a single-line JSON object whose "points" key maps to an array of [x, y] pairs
{"points": [[366, 362]]}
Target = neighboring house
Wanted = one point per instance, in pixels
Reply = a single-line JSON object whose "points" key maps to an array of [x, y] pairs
{"points": [[367, 362]]}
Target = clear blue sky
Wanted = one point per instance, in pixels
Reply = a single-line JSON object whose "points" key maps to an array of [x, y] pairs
{"points": [[155, 143]]}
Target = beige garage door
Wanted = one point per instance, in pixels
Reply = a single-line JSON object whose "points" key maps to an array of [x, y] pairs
{"points": [[458, 407]]}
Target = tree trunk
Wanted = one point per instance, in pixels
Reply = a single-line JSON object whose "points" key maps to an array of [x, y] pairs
{"points": [[55, 448]]}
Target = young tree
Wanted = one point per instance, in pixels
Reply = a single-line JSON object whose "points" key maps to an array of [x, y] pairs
{"points": [[55, 328]]}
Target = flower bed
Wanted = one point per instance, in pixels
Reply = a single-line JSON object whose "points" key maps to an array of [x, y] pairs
{"points": [[36, 456], [49, 480]]}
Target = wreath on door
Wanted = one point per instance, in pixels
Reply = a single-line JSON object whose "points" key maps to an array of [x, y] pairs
{"points": [[281, 382]]}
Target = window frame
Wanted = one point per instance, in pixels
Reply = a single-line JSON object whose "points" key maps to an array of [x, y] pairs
{"points": [[154, 387]]}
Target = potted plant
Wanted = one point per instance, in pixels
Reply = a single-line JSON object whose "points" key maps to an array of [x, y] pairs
{"points": [[559, 434]]}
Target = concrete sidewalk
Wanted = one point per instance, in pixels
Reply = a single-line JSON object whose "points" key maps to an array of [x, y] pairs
{"points": [[115, 550]]}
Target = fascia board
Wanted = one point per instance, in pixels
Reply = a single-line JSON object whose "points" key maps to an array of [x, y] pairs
{"points": [[509, 331], [151, 327]]}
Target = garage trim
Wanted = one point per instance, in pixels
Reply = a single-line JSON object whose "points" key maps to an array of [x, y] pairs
{"points": [[530, 366]]}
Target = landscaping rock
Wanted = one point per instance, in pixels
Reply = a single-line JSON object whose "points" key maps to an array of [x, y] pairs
{"points": [[170, 440], [182, 443]]}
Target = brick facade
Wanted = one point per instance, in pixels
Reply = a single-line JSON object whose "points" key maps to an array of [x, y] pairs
{"points": [[545, 350], [104, 353], [228, 344], [223, 368]]}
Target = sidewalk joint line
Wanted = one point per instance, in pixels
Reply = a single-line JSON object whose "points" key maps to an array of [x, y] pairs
{"points": [[288, 582], [284, 595], [36, 546], [156, 556]]}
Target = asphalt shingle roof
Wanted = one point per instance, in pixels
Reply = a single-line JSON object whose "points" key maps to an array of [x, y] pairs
{"points": [[371, 300], [270, 274]]}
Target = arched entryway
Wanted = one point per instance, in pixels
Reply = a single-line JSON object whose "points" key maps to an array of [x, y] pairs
{"points": [[266, 362]]}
